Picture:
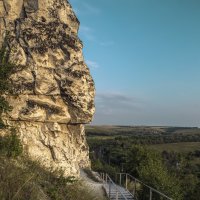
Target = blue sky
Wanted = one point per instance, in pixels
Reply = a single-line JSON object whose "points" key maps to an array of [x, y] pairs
{"points": [[144, 56]]}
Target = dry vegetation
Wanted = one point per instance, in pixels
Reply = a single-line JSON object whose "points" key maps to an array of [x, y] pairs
{"points": [[23, 179]]}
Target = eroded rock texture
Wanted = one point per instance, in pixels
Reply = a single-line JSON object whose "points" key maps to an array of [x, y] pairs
{"points": [[55, 92]]}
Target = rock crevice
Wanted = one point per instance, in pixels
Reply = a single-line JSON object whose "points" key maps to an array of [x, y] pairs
{"points": [[53, 89]]}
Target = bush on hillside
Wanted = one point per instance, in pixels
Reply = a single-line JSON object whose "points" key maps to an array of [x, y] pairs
{"points": [[10, 145], [23, 179], [150, 168]]}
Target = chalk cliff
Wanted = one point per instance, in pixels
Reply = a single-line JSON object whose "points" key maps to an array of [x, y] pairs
{"points": [[53, 89]]}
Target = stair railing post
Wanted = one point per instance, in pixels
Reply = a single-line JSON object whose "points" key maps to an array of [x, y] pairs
{"points": [[134, 191], [109, 189], [117, 195], [120, 179], [150, 197], [126, 181]]}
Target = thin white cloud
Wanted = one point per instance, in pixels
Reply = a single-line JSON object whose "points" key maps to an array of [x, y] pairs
{"points": [[77, 11], [87, 32], [83, 8], [85, 29], [92, 64], [107, 43], [118, 101], [91, 9], [117, 108]]}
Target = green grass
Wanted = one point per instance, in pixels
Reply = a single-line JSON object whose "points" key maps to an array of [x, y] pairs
{"points": [[22, 179]]}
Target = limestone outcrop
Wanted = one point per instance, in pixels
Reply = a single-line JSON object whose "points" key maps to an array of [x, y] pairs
{"points": [[53, 89]]}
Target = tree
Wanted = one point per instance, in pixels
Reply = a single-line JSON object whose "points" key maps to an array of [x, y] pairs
{"points": [[149, 167]]}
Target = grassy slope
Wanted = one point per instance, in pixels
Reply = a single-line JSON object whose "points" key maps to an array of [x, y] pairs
{"points": [[22, 179]]}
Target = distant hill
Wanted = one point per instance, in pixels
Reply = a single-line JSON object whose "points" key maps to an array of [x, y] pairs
{"points": [[140, 130]]}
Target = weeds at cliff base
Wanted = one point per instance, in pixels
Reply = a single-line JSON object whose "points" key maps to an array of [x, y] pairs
{"points": [[24, 179]]}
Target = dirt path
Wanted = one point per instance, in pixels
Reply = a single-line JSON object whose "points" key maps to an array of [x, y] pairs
{"points": [[95, 187]]}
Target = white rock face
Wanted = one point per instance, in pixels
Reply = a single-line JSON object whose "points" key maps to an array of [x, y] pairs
{"points": [[54, 91]]}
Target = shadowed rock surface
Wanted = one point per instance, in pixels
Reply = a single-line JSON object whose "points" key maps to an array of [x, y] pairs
{"points": [[54, 91]]}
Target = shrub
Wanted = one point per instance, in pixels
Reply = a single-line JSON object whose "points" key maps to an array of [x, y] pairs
{"points": [[10, 144], [149, 167], [23, 179], [6, 69]]}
